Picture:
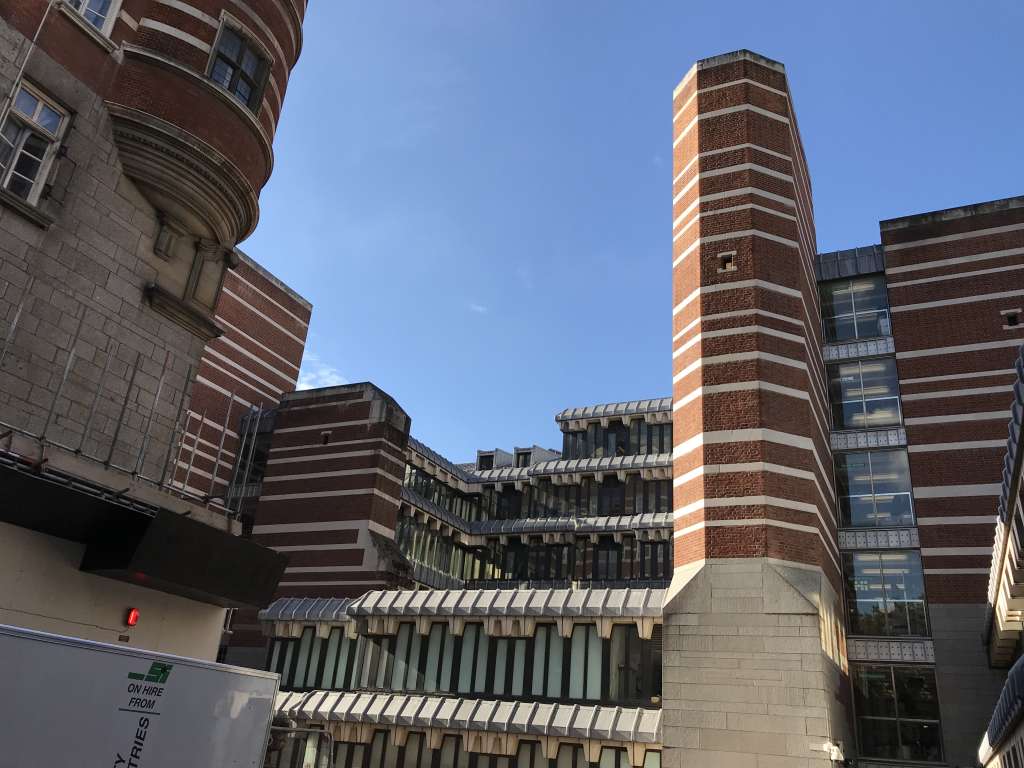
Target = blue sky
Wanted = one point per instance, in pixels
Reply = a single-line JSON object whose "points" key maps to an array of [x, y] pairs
{"points": [[475, 195]]}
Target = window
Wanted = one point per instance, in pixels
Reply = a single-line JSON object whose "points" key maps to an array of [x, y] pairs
{"points": [[611, 497], [897, 712], [617, 440], [548, 651], [634, 670], [864, 394], [28, 142], [473, 660], [885, 593], [612, 757], [585, 663], [530, 755], [485, 461], [240, 66], [607, 559], [523, 458], [874, 489], [99, 13], [855, 308]]}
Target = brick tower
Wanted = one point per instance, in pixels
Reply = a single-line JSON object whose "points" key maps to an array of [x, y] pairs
{"points": [[754, 659]]}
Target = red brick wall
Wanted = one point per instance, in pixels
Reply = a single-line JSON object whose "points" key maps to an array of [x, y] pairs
{"points": [[256, 360], [746, 342], [950, 274]]}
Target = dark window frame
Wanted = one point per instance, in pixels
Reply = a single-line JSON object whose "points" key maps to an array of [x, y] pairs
{"points": [[248, 43]]}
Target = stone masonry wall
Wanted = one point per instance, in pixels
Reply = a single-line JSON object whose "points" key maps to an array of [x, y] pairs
{"points": [[751, 676], [90, 263]]}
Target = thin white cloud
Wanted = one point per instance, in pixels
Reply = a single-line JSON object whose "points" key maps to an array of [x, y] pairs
{"points": [[480, 309], [315, 373]]}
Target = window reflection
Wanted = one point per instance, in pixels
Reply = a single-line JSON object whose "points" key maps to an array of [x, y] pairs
{"points": [[897, 712], [885, 593], [873, 489], [864, 394], [855, 308]]}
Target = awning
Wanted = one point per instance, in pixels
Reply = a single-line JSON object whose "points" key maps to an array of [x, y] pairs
{"points": [[529, 718]]}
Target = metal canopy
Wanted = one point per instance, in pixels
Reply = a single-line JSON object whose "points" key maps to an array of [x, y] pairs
{"points": [[552, 603], [528, 718]]}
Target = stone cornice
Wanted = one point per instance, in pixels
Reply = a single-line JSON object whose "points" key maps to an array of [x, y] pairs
{"points": [[188, 317], [187, 170]]}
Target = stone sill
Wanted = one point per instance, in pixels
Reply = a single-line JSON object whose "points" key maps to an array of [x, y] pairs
{"points": [[29, 211]]}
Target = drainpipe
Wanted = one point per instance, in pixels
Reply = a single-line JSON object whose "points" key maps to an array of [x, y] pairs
{"points": [[9, 97]]}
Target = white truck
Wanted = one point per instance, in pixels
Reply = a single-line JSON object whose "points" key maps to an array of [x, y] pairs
{"points": [[71, 702]]}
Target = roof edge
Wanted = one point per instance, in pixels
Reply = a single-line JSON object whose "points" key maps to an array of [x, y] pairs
{"points": [[951, 214], [292, 293]]}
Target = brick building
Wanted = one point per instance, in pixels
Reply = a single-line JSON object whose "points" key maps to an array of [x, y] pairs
{"points": [[785, 563], [135, 137]]}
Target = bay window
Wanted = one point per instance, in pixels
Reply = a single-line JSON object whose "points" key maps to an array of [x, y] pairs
{"points": [[885, 593], [855, 308], [873, 489], [864, 394], [897, 712]]}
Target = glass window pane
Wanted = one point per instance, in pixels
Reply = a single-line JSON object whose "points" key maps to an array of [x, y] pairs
{"points": [[556, 646], [222, 72], [341, 759], [579, 654], [49, 119], [481, 665], [916, 693], [230, 44], [303, 660], [413, 746], [341, 680], [330, 659], [449, 749], [566, 752], [433, 657], [518, 666], [286, 668], [314, 663], [593, 664], [840, 328], [836, 298], [275, 653], [243, 90], [874, 691], [652, 759], [540, 644], [413, 673], [879, 378], [445, 683], [500, 662], [466, 661], [879, 738], [872, 324], [617, 664], [920, 741], [868, 293], [26, 103], [401, 657]]}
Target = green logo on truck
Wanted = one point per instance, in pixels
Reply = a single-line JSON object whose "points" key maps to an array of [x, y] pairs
{"points": [[158, 673]]}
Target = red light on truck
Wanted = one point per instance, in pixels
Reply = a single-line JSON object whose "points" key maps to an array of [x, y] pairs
{"points": [[132, 618]]}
